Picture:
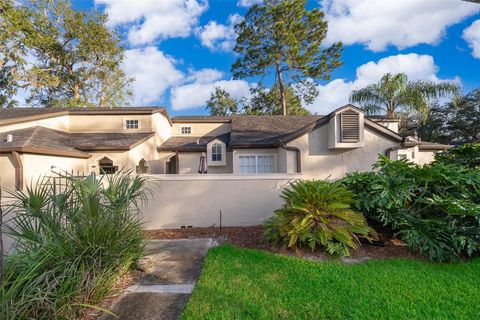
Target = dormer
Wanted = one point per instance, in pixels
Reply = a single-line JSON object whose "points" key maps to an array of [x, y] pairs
{"points": [[217, 153], [345, 128]]}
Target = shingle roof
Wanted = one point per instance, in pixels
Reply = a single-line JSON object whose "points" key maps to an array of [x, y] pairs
{"points": [[43, 140], [266, 130], [190, 143], [194, 119], [8, 115]]}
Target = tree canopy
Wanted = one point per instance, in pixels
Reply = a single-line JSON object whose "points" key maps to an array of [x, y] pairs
{"points": [[284, 38], [394, 93], [63, 57], [221, 103], [266, 101]]}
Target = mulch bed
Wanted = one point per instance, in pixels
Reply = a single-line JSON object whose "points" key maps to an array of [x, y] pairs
{"points": [[252, 237]]}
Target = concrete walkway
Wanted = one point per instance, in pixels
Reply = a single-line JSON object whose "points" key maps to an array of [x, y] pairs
{"points": [[172, 269]]}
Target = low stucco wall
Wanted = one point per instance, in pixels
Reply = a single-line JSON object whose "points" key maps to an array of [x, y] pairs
{"points": [[194, 200]]}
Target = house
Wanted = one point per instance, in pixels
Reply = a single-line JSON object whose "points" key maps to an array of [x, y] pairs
{"points": [[35, 141]]}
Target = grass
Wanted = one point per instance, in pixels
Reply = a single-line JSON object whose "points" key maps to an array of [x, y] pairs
{"points": [[248, 284]]}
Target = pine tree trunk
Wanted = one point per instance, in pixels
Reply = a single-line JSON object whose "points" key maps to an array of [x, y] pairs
{"points": [[282, 90]]}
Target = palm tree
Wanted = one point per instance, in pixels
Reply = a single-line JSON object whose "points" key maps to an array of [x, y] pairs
{"points": [[395, 93]]}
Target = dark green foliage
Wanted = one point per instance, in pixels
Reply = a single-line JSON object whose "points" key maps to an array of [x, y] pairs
{"points": [[283, 38], [434, 208], [317, 214], [221, 103], [71, 246], [467, 155]]}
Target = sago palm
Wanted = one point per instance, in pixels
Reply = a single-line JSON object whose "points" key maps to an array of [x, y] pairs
{"points": [[394, 93], [317, 213]]}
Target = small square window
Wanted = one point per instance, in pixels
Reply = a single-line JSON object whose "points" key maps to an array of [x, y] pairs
{"points": [[131, 124], [186, 130]]}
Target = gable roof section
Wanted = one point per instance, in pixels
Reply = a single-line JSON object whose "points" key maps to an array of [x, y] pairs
{"points": [[15, 115], [41, 140], [191, 144]]}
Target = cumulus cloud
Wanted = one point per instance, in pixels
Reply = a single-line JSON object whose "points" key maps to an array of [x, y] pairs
{"points": [[336, 93], [148, 21], [200, 84], [217, 36], [378, 24], [247, 3], [154, 72], [472, 36]]}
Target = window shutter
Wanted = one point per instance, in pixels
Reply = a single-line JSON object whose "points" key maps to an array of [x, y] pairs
{"points": [[349, 126]]}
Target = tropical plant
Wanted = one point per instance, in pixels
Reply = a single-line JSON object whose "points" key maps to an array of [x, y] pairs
{"points": [[61, 56], [284, 38], [467, 155], [394, 93], [434, 208], [317, 214], [71, 245]]}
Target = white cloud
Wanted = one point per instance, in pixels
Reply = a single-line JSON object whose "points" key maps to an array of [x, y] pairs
{"points": [[204, 75], [472, 36], [154, 72], [336, 93], [378, 24], [247, 3], [151, 20], [194, 93], [219, 36]]}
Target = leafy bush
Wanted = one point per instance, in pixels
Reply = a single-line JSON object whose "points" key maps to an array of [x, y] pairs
{"points": [[467, 155], [71, 246], [317, 213], [434, 208]]}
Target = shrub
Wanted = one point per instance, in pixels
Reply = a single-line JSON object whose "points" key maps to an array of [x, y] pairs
{"points": [[467, 155], [433, 208], [71, 246], [317, 213]]}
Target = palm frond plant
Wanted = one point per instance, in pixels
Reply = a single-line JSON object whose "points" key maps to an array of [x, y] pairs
{"points": [[71, 244], [318, 214], [395, 93]]}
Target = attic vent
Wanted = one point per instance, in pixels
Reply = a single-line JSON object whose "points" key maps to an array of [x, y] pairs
{"points": [[349, 126]]}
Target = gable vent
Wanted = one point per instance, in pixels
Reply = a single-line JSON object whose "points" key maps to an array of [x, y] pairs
{"points": [[349, 126]]}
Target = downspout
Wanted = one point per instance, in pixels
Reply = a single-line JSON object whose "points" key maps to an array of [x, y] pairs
{"points": [[17, 163], [177, 163], [297, 152]]}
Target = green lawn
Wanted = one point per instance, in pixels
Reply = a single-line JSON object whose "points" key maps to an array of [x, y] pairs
{"points": [[247, 284]]}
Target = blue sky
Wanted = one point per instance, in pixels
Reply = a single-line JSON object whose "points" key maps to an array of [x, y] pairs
{"points": [[179, 50]]}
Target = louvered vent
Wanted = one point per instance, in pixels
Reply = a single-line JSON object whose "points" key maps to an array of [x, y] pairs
{"points": [[349, 126]]}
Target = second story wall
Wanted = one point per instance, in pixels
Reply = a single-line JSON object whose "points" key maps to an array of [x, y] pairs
{"points": [[202, 129], [56, 122], [109, 123]]}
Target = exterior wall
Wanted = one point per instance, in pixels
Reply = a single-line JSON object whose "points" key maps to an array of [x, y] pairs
{"points": [[392, 125], [7, 172], [147, 151], [36, 166], [162, 128], [202, 129], [269, 151], [108, 123], [320, 162], [58, 123], [425, 157], [119, 158], [196, 200], [189, 162]]}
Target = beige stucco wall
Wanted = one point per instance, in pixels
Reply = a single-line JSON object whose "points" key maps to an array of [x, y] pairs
{"points": [[36, 166], [184, 200], [7, 172], [202, 129], [58, 123], [318, 161], [108, 123], [147, 151], [424, 157]]}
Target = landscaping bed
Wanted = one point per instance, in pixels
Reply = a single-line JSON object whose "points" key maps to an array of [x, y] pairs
{"points": [[239, 283], [252, 237]]}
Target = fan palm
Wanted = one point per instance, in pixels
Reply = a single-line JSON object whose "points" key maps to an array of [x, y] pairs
{"points": [[395, 93]]}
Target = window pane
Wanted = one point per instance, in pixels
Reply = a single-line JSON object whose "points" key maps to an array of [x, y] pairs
{"points": [[265, 164], [247, 164]]}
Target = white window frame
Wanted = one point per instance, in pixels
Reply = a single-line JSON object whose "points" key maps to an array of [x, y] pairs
{"points": [[256, 155], [126, 125], [223, 150], [185, 127]]}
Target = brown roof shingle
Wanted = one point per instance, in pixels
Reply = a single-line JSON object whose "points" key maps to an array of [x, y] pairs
{"points": [[190, 143]]}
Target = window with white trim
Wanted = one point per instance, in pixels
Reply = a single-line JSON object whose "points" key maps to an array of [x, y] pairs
{"points": [[216, 152], [131, 124], [251, 164], [186, 130]]}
